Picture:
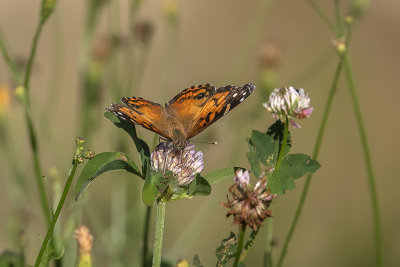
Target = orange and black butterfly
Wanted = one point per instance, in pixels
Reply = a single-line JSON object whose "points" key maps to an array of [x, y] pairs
{"points": [[187, 114]]}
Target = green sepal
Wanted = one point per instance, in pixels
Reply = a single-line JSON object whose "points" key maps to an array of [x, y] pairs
{"points": [[103, 162], [293, 166]]}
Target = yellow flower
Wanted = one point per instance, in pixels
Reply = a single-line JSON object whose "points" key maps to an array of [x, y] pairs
{"points": [[4, 100]]}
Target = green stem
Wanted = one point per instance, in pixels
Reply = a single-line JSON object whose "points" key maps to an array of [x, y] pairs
{"points": [[338, 18], [283, 145], [57, 213], [159, 234], [322, 15], [268, 245], [242, 230], [368, 163], [32, 133], [31, 59], [10, 63], [146, 236], [314, 156]]}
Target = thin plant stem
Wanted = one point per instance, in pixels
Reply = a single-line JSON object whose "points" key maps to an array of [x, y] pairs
{"points": [[321, 14], [159, 234], [338, 18], [146, 235], [32, 54], [57, 213], [317, 146], [268, 246], [242, 230], [368, 162], [9, 61], [283, 145], [32, 133]]}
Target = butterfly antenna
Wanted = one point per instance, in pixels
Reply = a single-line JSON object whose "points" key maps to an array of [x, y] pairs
{"points": [[208, 143]]}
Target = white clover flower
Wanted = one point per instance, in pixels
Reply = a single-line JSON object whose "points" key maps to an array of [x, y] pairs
{"points": [[184, 164], [289, 103]]}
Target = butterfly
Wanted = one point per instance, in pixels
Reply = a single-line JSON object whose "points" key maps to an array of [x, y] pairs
{"points": [[186, 115]]}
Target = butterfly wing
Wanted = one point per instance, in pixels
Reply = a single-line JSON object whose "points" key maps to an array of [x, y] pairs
{"points": [[187, 104], [220, 103], [148, 114], [200, 106]]}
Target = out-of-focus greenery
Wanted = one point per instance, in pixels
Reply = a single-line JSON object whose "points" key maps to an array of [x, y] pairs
{"points": [[91, 53]]}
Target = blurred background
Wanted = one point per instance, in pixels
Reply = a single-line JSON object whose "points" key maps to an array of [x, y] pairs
{"points": [[91, 53]]}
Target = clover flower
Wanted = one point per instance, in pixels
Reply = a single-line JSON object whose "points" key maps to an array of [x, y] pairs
{"points": [[249, 206], [289, 103], [184, 164]]}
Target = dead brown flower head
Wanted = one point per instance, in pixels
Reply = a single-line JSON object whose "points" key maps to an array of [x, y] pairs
{"points": [[249, 206]]}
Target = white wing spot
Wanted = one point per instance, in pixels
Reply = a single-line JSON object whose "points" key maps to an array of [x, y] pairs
{"points": [[235, 94], [242, 99], [244, 93]]}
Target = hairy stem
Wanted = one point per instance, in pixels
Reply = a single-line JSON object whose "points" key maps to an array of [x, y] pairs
{"points": [[159, 234]]}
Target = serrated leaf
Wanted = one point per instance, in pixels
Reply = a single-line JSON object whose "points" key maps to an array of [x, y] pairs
{"points": [[196, 261], [266, 147], [279, 182], [152, 188], [297, 165], [227, 250], [201, 187], [252, 158], [141, 145], [219, 175], [293, 166], [103, 162]]}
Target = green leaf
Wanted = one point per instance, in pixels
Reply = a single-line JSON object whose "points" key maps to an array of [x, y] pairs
{"points": [[141, 145], [152, 188], [252, 157], [227, 250], [297, 165], [11, 259], [196, 261], [266, 147], [200, 187], [276, 131], [293, 166], [100, 163], [219, 175]]}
